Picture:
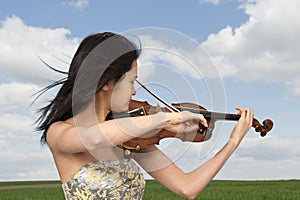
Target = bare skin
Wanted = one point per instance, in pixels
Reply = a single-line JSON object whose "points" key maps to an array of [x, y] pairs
{"points": [[84, 138]]}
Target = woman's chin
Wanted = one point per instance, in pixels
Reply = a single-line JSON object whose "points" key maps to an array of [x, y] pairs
{"points": [[119, 110]]}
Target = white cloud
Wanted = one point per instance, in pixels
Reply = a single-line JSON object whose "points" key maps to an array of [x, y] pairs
{"points": [[294, 86], [268, 148], [22, 44], [8, 125], [266, 47], [23, 157], [16, 97], [263, 48], [251, 159], [248, 169], [214, 2], [79, 4], [178, 52]]}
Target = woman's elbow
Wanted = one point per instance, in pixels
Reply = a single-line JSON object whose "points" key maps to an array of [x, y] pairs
{"points": [[190, 192], [188, 195]]}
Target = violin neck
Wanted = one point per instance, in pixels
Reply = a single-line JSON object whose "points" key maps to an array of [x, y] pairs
{"points": [[207, 114], [213, 115]]}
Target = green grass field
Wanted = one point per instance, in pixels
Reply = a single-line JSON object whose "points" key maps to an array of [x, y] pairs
{"points": [[256, 190]]}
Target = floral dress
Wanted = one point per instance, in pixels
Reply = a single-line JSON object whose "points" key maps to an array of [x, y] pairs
{"points": [[118, 179]]}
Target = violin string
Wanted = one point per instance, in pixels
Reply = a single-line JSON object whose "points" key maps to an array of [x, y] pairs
{"points": [[169, 106]]}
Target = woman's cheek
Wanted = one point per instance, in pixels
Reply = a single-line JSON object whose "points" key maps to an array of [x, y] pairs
{"points": [[120, 99]]}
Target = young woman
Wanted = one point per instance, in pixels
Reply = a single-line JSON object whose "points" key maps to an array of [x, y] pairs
{"points": [[84, 144]]}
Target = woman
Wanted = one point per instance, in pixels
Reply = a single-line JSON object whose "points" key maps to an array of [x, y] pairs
{"points": [[84, 144]]}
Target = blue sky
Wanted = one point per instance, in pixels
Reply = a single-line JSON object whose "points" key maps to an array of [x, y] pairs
{"points": [[253, 46]]}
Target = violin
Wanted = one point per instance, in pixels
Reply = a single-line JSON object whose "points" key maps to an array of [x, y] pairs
{"points": [[140, 108]]}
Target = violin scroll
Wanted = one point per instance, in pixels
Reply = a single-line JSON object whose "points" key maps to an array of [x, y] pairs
{"points": [[266, 126]]}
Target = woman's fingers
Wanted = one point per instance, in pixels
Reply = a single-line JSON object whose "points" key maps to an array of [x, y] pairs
{"points": [[190, 118], [247, 111], [190, 122], [184, 122], [243, 125], [246, 114]]}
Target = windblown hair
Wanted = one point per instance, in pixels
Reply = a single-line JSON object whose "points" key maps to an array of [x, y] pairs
{"points": [[100, 58]]}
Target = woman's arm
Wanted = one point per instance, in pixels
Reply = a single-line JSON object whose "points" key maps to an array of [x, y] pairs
{"points": [[189, 185], [70, 138], [73, 139]]}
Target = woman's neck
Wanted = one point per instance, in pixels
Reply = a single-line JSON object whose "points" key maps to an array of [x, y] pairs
{"points": [[102, 105]]}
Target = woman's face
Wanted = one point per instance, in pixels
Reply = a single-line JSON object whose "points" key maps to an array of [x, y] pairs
{"points": [[124, 89]]}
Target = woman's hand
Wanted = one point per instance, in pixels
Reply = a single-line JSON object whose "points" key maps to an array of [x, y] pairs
{"points": [[184, 122], [243, 125]]}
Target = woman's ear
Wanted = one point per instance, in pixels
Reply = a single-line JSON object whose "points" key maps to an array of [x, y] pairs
{"points": [[108, 86]]}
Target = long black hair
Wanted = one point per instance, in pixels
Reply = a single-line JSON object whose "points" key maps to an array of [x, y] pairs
{"points": [[99, 59]]}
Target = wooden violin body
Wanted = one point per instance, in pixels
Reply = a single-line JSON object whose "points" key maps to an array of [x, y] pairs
{"points": [[140, 108]]}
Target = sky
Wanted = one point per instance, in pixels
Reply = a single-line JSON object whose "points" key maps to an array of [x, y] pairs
{"points": [[216, 53]]}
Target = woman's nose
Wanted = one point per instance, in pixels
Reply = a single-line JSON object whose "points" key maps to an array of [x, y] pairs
{"points": [[133, 92]]}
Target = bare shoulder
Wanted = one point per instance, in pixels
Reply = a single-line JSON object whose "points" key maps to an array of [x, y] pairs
{"points": [[60, 126], [56, 131], [63, 137], [57, 128]]}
